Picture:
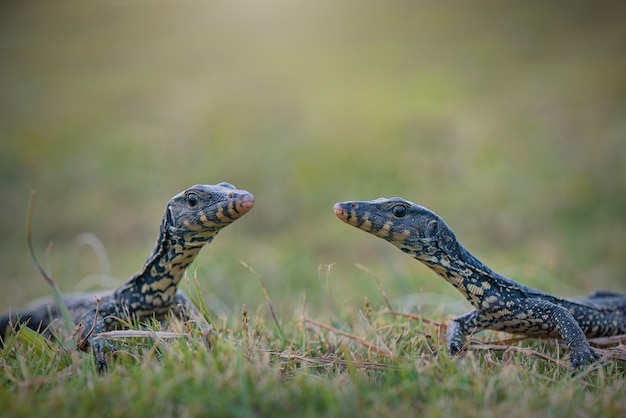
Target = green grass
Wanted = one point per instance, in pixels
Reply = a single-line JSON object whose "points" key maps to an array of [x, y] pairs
{"points": [[506, 119], [370, 363]]}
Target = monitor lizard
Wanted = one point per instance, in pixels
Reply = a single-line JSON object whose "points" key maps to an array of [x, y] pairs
{"points": [[191, 219], [499, 303]]}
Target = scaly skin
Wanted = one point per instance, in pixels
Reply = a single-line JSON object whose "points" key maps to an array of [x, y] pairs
{"points": [[499, 303], [192, 218]]}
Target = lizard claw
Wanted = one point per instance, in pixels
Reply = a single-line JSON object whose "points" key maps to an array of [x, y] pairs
{"points": [[583, 357], [454, 347], [99, 348], [455, 337]]}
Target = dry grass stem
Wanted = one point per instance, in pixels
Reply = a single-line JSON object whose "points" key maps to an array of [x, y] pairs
{"points": [[379, 350], [265, 293], [121, 334], [380, 287]]}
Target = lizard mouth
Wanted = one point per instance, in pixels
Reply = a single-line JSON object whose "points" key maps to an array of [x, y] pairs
{"points": [[244, 203], [239, 205], [340, 212], [347, 212], [227, 211]]}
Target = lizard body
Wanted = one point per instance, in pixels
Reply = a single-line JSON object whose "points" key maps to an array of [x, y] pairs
{"points": [[499, 303], [191, 219]]}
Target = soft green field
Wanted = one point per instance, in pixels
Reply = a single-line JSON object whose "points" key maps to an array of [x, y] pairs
{"points": [[507, 119]]}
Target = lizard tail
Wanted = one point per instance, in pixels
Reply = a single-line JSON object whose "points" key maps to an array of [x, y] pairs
{"points": [[6, 321], [14, 320]]}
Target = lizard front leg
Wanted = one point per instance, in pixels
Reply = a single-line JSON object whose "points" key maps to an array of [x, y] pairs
{"points": [[99, 346], [185, 310], [96, 321], [540, 316], [458, 330], [556, 317]]}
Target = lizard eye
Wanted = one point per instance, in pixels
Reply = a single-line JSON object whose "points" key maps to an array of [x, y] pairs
{"points": [[192, 200], [398, 211]]}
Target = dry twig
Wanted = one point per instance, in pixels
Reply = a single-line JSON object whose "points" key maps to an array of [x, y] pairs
{"points": [[379, 350]]}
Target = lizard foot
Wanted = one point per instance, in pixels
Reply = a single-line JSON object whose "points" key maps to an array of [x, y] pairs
{"points": [[99, 348], [454, 346], [583, 357]]}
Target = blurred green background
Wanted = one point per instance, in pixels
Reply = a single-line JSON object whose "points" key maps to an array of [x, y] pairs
{"points": [[506, 118]]}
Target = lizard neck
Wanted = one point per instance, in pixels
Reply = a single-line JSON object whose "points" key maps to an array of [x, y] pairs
{"points": [[155, 284], [463, 270]]}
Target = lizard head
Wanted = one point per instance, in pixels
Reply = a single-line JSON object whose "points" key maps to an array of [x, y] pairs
{"points": [[199, 212], [412, 228]]}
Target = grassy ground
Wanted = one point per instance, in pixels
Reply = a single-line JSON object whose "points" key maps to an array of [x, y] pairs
{"points": [[372, 364], [508, 120]]}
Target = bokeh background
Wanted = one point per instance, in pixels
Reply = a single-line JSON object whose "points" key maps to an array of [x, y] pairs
{"points": [[507, 118]]}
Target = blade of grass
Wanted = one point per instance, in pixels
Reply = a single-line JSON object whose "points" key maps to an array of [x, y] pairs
{"points": [[380, 350], [267, 298], [412, 317], [58, 299], [304, 334], [197, 298], [87, 239], [333, 360], [525, 351], [120, 334], [380, 287], [38, 347], [380, 342], [605, 341]]}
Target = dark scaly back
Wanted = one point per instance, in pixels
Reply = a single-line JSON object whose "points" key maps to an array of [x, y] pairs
{"points": [[191, 219], [424, 235]]}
